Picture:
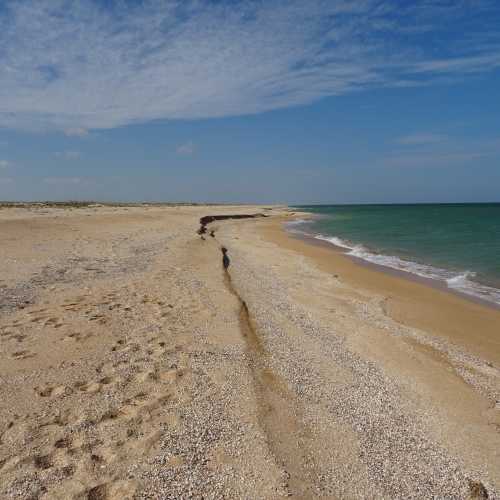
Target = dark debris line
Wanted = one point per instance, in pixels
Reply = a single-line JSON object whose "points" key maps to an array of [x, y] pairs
{"points": [[207, 219]]}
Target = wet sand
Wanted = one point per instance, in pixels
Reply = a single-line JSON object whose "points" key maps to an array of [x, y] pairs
{"points": [[134, 366], [420, 303]]}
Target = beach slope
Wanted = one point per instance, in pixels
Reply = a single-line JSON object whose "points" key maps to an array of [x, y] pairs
{"points": [[135, 365]]}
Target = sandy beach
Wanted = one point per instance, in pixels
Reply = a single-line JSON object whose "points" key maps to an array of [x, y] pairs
{"points": [[134, 366]]}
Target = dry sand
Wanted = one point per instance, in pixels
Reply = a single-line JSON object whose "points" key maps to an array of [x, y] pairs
{"points": [[133, 366]]}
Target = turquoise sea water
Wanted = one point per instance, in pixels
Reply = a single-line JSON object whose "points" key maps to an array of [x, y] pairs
{"points": [[458, 244]]}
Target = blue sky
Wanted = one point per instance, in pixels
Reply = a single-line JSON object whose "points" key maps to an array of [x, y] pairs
{"points": [[276, 101]]}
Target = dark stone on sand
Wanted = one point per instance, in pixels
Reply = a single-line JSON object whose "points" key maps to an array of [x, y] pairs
{"points": [[225, 258], [477, 490]]}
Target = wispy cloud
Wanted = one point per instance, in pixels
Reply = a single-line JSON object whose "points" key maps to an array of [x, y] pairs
{"points": [[63, 180], [76, 132], [75, 66], [471, 64], [68, 155], [5, 163], [421, 139], [186, 149]]}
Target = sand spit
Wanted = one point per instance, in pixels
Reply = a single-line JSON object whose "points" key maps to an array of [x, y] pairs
{"points": [[134, 366]]}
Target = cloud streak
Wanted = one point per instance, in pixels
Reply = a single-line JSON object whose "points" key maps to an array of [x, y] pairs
{"points": [[76, 132], [186, 149], [78, 66], [68, 155], [421, 139], [63, 180]]}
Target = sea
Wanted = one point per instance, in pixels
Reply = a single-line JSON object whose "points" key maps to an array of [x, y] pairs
{"points": [[455, 244]]}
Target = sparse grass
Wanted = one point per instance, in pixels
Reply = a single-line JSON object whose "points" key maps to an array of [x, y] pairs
{"points": [[86, 204]]}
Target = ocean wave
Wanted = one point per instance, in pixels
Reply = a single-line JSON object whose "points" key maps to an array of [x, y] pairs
{"points": [[297, 222], [461, 282], [297, 226]]}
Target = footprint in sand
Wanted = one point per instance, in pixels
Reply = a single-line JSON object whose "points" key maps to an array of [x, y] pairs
{"points": [[140, 443], [75, 304], [119, 345], [100, 318], [52, 391], [171, 376], [63, 443], [54, 322], [157, 352], [38, 311], [112, 414], [18, 355], [92, 387], [88, 387], [43, 461], [73, 337], [117, 490], [10, 335], [147, 376], [71, 305], [38, 319], [141, 403], [19, 337]]}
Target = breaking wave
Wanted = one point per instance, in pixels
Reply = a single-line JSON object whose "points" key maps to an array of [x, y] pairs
{"points": [[462, 282]]}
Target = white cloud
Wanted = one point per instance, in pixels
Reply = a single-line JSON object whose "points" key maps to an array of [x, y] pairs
{"points": [[186, 149], [63, 180], [68, 155], [4, 163], [76, 132], [422, 138], [75, 66], [471, 64]]}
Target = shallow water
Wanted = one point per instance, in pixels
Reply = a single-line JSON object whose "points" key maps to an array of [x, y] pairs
{"points": [[458, 244]]}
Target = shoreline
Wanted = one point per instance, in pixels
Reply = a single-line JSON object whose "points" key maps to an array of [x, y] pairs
{"points": [[434, 282], [409, 299], [400, 273]]}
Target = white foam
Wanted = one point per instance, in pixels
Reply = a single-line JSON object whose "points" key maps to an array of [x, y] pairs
{"points": [[297, 222], [460, 282], [296, 226], [461, 279]]}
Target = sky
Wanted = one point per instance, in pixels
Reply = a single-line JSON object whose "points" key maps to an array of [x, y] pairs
{"points": [[317, 101]]}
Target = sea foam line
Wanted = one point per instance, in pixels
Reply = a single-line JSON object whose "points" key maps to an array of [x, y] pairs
{"points": [[461, 282]]}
